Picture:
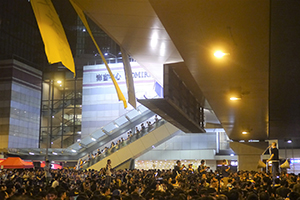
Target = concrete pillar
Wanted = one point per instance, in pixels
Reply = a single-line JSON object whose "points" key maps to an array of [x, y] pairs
{"points": [[249, 153]]}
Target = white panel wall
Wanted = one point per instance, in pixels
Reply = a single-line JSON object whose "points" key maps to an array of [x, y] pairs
{"points": [[100, 104], [139, 146], [190, 142], [178, 155]]}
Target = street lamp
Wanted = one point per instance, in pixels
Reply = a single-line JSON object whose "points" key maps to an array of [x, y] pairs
{"points": [[220, 54]]}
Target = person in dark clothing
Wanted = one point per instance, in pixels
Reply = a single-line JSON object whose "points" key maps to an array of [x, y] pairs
{"points": [[108, 173], [202, 167], [275, 160], [225, 169], [178, 168]]}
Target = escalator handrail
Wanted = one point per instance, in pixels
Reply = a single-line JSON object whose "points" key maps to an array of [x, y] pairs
{"points": [[102, 128]]}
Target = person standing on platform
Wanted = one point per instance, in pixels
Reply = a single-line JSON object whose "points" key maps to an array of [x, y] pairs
{"points": [[225, 169], [108, 173], [178, 168], [202, 167], [224, 173], [48, 175], [275, 160]]}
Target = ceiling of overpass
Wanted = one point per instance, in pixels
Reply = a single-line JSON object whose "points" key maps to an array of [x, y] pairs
{"points": [[156, 32], [135, 26], [240, 28]]}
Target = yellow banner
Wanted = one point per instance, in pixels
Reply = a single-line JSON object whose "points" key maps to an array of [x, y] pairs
{"points": [[56, 44], [85, 23]]}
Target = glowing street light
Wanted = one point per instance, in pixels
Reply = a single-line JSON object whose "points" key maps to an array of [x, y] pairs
{"points": [[235, 98], [220, 54]]}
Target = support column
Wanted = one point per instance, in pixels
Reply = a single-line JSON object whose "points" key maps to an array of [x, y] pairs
{"points": [[248, 154]]}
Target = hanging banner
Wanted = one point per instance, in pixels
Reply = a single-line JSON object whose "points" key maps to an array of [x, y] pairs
{"points": [[129, 78], [57, 48], [85, 23]]}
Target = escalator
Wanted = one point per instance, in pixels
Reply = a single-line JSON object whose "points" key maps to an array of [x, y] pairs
{"points": [[62, 126], [90, 143], [110, 132], [135, 146]]}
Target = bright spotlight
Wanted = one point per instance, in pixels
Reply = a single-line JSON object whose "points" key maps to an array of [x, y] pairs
{"points": [[219, 54], [235, 98]]}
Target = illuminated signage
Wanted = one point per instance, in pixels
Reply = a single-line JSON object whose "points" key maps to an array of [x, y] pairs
{"points": [[106, 77], [118, 76]]}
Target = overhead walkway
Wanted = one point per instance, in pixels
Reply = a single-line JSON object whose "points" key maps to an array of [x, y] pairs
{"points": [[135, 146]]}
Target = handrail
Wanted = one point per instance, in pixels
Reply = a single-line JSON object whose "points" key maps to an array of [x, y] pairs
{"points": [[112, 131]]}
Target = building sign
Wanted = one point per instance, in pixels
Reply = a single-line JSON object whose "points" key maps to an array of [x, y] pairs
{"points": [[106, 77], [118, 76], [97, 74]]}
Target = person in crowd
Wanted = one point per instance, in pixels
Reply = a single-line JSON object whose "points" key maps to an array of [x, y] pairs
{"points": [[137, 130], [129, 136], [190, 168], [143, 127], [55, 183], [98, 152], [80, 162], [112, 145], [150, 126], [108, 173], [47, 169], [178, 168], [146, 184], [275, 160], [105, 150], [156, 118], [88, 158], [225, 168], [202, 168]]}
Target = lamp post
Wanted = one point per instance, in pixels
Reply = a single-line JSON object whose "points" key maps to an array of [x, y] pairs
{"points": [[49, 118]]}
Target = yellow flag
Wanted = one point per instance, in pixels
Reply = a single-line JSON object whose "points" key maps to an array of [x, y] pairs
{"points": [[84, 21], [56, 44]]}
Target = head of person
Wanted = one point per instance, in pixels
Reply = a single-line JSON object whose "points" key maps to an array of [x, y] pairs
{"points": [[202, 162], [52, 194], [109, 161], [178, 162], [252, 196], [294, 196], [264, 196], [273, 144]]}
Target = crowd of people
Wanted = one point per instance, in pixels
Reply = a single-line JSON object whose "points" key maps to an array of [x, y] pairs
{"points": [[115, 145], [180, 183]]}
